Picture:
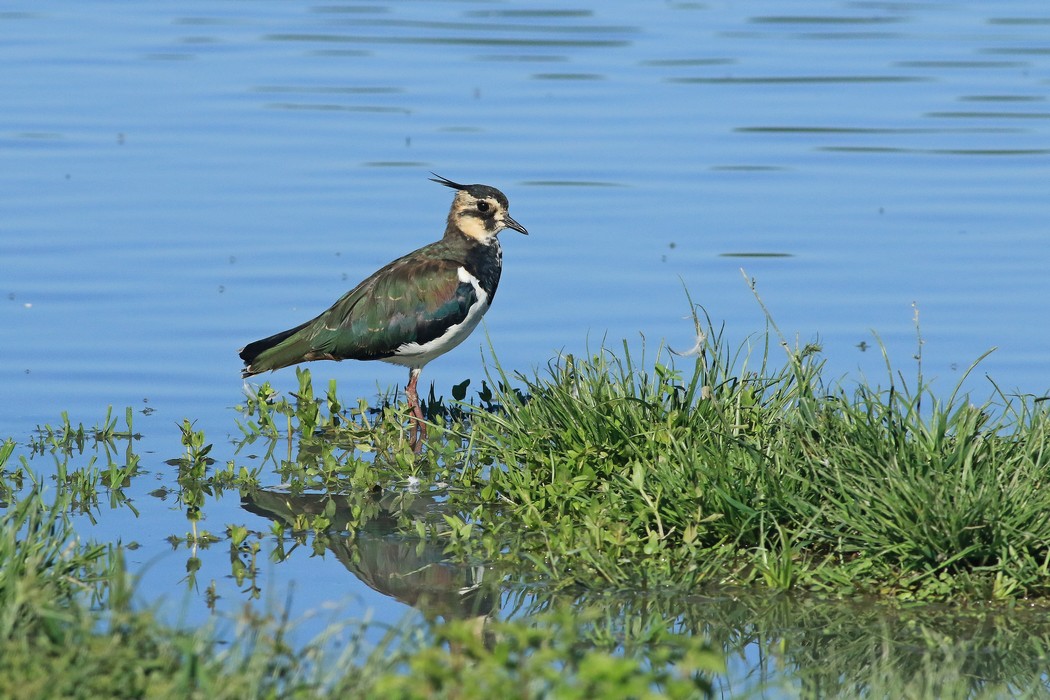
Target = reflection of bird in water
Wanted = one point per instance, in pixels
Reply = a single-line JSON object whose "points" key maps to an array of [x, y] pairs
{"points": [[412, 310], [413, 571]]}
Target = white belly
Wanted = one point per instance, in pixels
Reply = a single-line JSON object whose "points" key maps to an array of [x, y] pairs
{"points": [[416, 354]]}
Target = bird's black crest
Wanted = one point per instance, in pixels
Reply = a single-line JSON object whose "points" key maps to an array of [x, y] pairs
{"points": [[447, 183], [479, 191]]}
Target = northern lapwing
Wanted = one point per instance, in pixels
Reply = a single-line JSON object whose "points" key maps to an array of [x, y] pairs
{"points": [[411, 310]]}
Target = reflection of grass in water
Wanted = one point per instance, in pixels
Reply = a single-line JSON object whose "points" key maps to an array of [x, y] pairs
{"points": [[68, 629], [53, 644], [836, 648]]}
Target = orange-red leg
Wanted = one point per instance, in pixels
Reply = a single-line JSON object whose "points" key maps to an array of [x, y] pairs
{"points": [[419, 431]]}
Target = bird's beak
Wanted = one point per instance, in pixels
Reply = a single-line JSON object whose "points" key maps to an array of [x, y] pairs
{"points": [[511, 223]]}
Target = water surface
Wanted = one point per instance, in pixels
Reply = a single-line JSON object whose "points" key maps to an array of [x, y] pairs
{"points": [[180, 179]]}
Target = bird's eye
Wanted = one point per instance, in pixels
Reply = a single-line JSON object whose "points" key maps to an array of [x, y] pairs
{"points": [[483, 206]]}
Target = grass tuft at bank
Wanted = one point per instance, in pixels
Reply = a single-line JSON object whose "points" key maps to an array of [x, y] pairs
{"points": [[720, 469]]}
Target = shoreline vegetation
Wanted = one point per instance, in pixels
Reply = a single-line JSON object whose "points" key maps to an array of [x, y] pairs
{"points": [[687, 475]]}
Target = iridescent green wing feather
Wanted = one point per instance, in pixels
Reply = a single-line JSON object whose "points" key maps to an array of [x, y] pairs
{"points": [[412, 300]]}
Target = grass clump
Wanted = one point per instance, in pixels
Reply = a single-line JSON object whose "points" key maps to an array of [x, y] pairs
{"points": [[617, 473]]}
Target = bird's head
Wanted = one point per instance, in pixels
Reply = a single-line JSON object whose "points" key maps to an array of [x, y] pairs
{"points": [[479, 211]]}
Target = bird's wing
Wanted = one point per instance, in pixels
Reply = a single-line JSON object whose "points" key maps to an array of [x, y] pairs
{"points": [[408, 301]]}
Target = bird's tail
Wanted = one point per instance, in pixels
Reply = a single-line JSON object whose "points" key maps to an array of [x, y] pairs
{"points": [[279, 350]]}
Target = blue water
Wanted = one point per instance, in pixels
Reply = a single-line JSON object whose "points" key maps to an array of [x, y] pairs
{"points": [[177, 179]]}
